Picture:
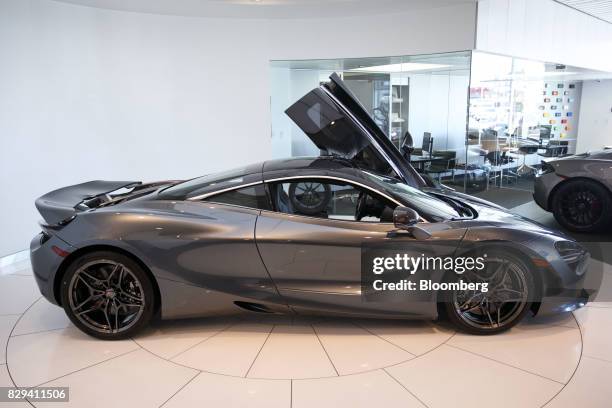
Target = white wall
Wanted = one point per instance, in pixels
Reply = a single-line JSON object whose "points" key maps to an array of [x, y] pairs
{"points": [[595, 124], [438, 104], [90, 94], [544, 30]]}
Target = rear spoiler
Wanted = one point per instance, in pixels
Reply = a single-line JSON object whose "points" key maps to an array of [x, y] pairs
{"points": [[62, 204]]}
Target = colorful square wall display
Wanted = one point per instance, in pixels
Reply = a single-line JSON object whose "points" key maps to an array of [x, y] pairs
{"points": [[560, 86], [563, 120], [553, 107], [546, 114], [565, 107], [546, 100], [542, 107], [552, 121], [566, 93], [570, 114], [559, 99], [572, 86], [555, 93], [558, 114], [544, 93], [570, 100]]}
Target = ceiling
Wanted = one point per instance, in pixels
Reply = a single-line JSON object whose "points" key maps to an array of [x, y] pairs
{"points": [[597, 8], [268, 8]]}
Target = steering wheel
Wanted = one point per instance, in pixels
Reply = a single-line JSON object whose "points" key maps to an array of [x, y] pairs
{"points": [[309, 197], [362, 207]]}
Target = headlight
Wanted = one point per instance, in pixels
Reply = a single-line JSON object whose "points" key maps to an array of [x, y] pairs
{"points": [[545, 168], [574, 255]]}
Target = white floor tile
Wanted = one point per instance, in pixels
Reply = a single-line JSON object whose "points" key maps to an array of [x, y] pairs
{"points": [[596, 327], [448, 377], [136, 379], [230, 352], [6, 325], [590, 386], [17, 293], [171, 338], [561, 319], [413, 336], [215, 390], [599, 304], [42, 316], [21, 267], [5, 381], [367, 390], [549, 351], [40, 357], [353, 349], [292, 352]]}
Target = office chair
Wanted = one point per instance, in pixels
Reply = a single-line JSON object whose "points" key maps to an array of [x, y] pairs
{"points": [[497, 160], [407, 146], [445, 164], [427, 145]]}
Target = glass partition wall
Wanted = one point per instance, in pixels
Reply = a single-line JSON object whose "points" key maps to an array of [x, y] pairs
{"points": [[475, 120], [420, 100]]}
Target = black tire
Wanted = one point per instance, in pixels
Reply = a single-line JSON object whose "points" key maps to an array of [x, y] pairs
{"points": [[582, 206], [89, 299], [477, 322]]}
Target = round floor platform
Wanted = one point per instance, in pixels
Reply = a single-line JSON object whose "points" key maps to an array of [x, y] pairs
{"points": [[292, 361]]}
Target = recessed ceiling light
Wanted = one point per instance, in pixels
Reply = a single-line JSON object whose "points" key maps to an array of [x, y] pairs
{"points": [[404, 67]]}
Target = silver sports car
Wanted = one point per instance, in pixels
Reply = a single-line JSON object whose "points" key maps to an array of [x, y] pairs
{"points": [[578, 190], [289, 236]]}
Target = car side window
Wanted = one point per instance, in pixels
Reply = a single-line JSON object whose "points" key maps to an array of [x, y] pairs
{"points": [[330, 199], [252, 197]]}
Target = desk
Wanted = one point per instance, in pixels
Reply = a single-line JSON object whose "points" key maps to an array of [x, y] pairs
{"points": [[419, 161]]}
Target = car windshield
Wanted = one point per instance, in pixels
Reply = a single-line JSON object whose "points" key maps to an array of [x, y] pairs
{"points": [[426, 205]]}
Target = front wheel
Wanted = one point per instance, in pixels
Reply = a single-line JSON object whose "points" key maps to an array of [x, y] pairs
{"points": [[503, 305], [107, 295]]}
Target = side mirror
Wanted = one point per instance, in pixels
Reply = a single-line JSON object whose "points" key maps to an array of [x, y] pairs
{"points": [[407, 219], [404, 217]]}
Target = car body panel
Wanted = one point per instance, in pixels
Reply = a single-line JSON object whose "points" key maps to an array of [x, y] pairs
{"points": [[595, 166], [316, 262]]}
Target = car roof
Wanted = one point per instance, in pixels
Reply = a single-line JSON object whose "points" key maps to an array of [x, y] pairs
{"points": [[322, 166]]}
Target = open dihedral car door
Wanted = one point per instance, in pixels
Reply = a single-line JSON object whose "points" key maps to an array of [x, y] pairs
{"points": [[333, 118]]}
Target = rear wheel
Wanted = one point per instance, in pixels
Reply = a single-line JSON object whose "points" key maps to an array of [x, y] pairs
{"points": [[107, 295], [582, 206], [503, 305]]}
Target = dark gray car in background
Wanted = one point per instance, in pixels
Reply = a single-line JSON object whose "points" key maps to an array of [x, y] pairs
{"points": [[577, 190], [285, 236]]}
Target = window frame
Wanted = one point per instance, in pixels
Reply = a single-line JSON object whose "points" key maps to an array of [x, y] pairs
{"points": [[353, 183], [209, 197]]}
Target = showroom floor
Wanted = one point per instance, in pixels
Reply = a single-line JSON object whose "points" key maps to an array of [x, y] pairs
{"points": [[284, 361]]}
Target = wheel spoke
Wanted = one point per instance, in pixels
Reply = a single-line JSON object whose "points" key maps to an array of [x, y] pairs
{"points": [[115, 270], [93, 280], [105, 311]]}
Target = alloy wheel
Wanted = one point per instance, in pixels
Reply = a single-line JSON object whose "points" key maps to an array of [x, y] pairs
{"points": [[505, 299], [106, 296]]}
